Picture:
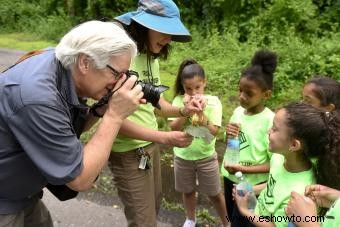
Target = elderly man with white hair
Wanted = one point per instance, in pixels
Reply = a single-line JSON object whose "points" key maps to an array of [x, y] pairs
{"points": [[41, 100]]}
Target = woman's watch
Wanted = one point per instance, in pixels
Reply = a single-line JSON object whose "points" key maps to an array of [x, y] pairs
{"points": [[181, 112]]}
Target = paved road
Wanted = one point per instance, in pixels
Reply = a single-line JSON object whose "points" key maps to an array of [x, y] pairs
{"points": [[8, 57], [78, 212]]}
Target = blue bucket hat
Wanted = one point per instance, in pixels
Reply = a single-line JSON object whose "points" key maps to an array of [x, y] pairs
{"points": [[158, 15]]}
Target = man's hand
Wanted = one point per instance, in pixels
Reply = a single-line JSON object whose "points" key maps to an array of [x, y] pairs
{"points": [[126, 99]]}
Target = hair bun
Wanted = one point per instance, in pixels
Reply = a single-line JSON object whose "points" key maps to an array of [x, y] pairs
{"points": [[266, 59]]}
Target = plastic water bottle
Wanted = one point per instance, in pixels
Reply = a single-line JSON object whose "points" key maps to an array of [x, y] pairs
{"points": [[243, 187], [232, 152]]}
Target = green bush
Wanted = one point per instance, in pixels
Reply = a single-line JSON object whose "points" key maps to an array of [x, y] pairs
{"points": [[51, 28], [304, 34]]}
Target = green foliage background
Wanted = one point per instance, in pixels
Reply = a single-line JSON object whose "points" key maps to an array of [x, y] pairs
{"points": [[226, 33], [304, 33]]}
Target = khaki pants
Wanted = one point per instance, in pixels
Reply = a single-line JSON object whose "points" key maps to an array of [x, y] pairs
{"points": [[139, 190], [35, 215]]}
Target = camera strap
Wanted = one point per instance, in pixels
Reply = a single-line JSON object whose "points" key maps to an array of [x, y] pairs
{"points": [[150, 75]]}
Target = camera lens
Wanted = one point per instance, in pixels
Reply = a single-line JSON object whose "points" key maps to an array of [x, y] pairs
{"points": [[152, 93]]}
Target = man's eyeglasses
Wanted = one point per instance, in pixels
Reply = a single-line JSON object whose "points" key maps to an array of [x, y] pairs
{"points": [[118, 75], [115, 73]]}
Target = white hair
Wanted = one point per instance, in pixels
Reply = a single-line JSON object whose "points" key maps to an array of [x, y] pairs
{"points": [[98, 40]]}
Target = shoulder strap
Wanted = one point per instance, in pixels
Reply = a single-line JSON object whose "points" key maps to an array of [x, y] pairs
{"points": [[24, 57]]}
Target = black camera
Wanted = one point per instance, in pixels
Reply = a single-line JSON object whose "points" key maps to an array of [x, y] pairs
{"points": [[152, 92]]}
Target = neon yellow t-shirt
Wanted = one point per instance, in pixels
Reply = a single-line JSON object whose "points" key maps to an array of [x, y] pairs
{"points": [[274, 198], [332, 217], [254, 142], [144, 115], [199, 149]]}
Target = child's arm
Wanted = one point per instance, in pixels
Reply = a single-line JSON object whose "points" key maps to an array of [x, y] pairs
{"points": [[261, 168], [258, 188], [209, 125], [178, 124]]}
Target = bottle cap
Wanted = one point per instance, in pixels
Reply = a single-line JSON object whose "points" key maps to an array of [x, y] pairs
{"points": [[238, 174]]}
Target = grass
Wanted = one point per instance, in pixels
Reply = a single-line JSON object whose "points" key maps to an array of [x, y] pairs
{"points": [[168, 79], [23, 41]]}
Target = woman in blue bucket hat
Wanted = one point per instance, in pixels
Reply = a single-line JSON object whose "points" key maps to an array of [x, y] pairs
{"points": [[135, 156]]}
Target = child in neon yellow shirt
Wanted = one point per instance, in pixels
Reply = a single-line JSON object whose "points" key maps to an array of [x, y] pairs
{"points": [[251, 122], [198, 162], [300, 132]]}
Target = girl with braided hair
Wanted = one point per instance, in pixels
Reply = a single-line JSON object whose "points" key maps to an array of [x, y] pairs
{"points": [[326, 193], [300, 132]]}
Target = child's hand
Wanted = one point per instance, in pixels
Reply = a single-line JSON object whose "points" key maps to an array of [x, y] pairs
{"points": [[299, 205], [233, 129], [241, 201], [323, 196], [233, 168], [193, 104], [200, 101]]}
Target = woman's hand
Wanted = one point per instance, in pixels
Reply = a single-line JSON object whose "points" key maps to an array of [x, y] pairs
{"points": [[323, 196], [177, 138]]}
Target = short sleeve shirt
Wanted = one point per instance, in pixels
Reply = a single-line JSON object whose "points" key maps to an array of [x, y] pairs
{"points": [[274, 198], [332, 217], [37, 141], [254, 143], [199, 148]]}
